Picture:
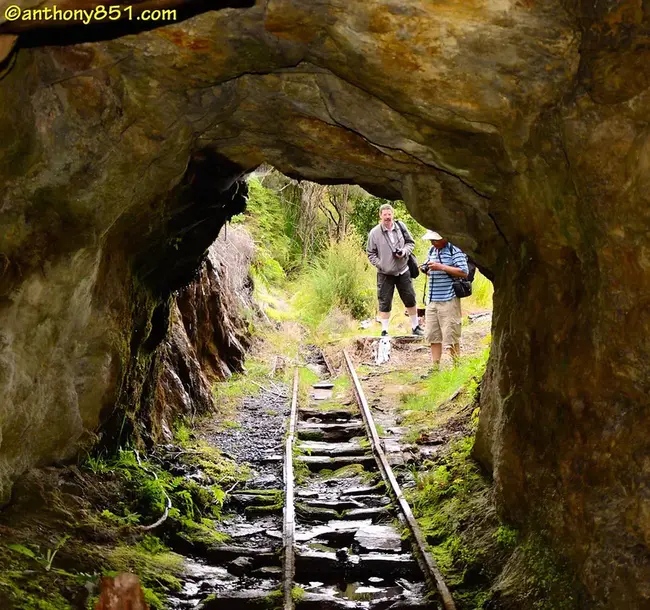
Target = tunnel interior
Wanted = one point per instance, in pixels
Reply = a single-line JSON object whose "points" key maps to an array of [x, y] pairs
{"points": [[519, 131]]}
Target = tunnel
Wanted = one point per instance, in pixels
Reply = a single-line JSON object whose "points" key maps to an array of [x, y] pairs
{"points": [[517, 128]]}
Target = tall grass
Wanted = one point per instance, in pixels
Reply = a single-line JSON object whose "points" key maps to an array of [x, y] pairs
{"points": [[482, 292], [339, 278]]}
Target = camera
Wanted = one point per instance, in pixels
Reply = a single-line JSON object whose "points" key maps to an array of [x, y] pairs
{"points": [[399, 253]]}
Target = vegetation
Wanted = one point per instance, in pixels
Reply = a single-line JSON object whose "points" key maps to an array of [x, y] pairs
{"points": [[115, 498], [227, 394], [428, 394], [310, 266], [339, 278], [482, 292], [482, 558]]}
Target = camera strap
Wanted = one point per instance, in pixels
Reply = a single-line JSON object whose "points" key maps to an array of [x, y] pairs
{"points": [[390, 245]]}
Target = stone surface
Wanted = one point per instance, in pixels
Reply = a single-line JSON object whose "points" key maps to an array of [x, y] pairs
{"points": [[516, 128], [329, 432], [208, 338], [379, 538], [313, 448]]}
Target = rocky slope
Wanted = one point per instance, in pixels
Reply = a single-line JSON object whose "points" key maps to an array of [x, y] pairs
{"points": [[518, 128]]}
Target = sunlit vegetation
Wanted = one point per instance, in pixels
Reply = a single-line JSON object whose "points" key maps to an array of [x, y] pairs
{"points": [[228, 393], [310, 265], [441, 386], [482, 293]]}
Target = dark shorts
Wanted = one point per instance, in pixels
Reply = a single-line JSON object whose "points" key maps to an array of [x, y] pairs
{"points": [[386, 287]]}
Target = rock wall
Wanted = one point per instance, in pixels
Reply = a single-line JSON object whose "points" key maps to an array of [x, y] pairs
{"points": [[518, 128], [208, 336]]}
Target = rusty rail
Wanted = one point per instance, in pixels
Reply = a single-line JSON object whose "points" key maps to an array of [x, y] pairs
{"points": [[289, 525], [426, 561]]}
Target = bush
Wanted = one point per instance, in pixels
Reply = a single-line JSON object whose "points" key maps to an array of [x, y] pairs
{"points": [[340, 277], [266, 214], [482, 291]]}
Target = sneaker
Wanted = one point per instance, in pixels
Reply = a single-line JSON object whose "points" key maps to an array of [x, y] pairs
{"points": [[418, 331], [384, 333]]}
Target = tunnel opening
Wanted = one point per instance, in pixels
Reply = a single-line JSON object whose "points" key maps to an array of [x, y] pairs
{"points": [[518, 130]]}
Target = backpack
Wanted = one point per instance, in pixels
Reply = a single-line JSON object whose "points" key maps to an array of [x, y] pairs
{"points": [[462, 285]]}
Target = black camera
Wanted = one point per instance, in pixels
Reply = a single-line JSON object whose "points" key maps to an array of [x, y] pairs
{"points": [[399, 253]]}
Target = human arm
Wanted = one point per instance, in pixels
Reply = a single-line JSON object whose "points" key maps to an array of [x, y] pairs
{"points": [[371, 251], [459, 267], [447, 269]]}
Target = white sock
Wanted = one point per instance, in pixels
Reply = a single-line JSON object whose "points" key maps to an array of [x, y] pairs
{"points": [[384, 324], [414, 321]]}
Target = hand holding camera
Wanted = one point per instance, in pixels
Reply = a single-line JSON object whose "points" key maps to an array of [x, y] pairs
{"points": [[435, 266], [399, 253]]}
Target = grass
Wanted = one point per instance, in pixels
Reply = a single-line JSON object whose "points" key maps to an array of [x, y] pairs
{"points": [[340, 278], [306, 377], [440, 386], [227, 394], [42, 570], [157, 567], [451, 503], [482, 558], [482, 294]]}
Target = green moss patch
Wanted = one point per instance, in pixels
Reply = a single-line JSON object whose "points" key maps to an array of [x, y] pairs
{"points": [[482, 558], [102, 506]]}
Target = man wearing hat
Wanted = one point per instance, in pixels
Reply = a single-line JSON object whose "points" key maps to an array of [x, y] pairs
{"points": [[443, 316]]}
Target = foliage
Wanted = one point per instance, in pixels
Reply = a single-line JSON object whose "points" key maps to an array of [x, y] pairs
{"points": [[450, 501], [506, 536], [301, 470], [482, 293], [228, 393], [339, 278], [127, 519], [482, 558], [45, 558], [182, 434], [297, 594], [441, 386], [158, 568], [272, 227]]}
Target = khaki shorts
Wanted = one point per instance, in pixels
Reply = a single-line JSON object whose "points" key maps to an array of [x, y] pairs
{"points": [[442, 322]]}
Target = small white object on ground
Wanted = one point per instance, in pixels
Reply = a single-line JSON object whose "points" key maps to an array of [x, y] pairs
{"points": [[381, 350]]}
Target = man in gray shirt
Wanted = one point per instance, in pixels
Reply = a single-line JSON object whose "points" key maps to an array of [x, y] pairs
{"points": [[389, 246]]}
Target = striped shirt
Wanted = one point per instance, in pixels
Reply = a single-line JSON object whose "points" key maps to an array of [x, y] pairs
{"points": [[440, 286]]}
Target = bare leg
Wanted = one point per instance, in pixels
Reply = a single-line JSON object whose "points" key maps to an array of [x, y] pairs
{"points": [[454, 350], [412, 311], [436, 354]]}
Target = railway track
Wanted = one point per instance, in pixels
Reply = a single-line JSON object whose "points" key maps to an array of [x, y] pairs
{"points": [[350, 539]]}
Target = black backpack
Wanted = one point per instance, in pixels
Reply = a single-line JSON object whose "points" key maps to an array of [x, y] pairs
{"points": [[463, 285]]}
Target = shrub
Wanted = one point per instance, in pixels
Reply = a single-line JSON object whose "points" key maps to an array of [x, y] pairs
{"points": [[482, 291], [340, 277]]}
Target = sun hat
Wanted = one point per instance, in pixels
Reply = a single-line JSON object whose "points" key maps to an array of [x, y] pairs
{"points": [[431, 235]]}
